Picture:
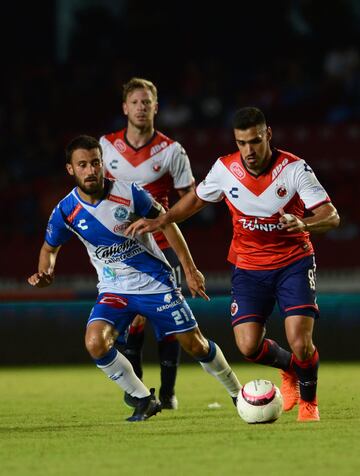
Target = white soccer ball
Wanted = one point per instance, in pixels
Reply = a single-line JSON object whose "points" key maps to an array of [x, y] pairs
{"points": [[259, 401]]}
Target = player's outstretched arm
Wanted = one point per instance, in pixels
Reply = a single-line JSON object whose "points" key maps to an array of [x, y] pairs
{"points": [[45, 274], [187, 206], [194, 278]]}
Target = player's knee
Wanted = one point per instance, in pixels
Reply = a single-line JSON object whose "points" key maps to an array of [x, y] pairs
{"points": [[96, 346], [303, 350], [247, 345], [197, 348]]}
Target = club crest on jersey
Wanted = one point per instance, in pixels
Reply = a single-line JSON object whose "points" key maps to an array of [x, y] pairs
{"points": [[281, 191], [120, 145], [121, 213], [234, 308], [156, 165], [237, 170]]}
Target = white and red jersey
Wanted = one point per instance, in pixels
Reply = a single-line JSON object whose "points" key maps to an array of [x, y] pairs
{"points": [[259, 241], [159, 166]]}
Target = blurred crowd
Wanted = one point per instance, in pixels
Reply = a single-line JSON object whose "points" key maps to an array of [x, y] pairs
{"points": [[305, 78]]}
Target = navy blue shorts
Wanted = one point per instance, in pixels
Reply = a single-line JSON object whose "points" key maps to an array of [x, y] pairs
{"points": [[168, 313], [254, 292]]}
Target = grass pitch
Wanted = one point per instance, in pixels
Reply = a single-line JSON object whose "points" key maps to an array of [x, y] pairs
{"points": [[68, 421]]}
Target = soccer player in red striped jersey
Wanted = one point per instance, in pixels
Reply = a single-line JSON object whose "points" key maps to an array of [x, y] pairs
{"points": [[141, 154], [275, 202]]}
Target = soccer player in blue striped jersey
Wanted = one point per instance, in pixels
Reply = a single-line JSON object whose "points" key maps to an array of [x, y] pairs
{"points": [[133, 274]]}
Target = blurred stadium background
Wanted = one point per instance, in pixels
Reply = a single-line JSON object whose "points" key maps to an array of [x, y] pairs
{"points": [[64, 64]]}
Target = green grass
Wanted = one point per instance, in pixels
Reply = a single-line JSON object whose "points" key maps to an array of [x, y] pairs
{"points": [[70, 421]]}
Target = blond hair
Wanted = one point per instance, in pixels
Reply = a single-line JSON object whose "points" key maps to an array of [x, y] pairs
{"points": [[139, 83]]}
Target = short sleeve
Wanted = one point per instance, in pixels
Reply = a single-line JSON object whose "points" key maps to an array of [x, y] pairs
{"points": [[180, 168], [57, 232], [310, 190], [142, 199], [210, 189]]}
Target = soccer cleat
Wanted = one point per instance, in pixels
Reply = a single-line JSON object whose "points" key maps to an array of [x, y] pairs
{"points": [[146, 407], [130, 401], [169, 402], [308, 411], [289, 389], [234, 399]]}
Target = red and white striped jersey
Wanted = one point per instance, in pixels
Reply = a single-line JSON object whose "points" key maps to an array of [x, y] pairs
{"points": [[259, 242], [159, 166]]}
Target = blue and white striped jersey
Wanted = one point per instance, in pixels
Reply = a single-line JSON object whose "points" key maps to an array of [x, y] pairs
{"points": [[123, 264]]}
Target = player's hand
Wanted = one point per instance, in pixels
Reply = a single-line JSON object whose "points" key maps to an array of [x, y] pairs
{"points": [[290, 222], [41, 280], [143, 225], [196, 283]]}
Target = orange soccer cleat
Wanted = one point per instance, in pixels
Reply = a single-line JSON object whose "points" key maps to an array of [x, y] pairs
{"points": [[308, 411], [289, 389]]}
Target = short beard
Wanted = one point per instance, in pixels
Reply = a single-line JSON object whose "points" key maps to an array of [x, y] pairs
{"points": [[89, 192]]}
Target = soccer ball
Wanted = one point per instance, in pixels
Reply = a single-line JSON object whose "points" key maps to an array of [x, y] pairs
{"points": [[259, 401]]}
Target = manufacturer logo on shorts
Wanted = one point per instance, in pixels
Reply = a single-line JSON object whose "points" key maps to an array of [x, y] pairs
{"points": [[234, 308], [121, 213], [113, 300]]}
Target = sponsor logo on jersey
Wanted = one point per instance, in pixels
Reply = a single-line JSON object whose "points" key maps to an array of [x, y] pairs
{"points": [[169, 306], [121, 213], [120, 227], [109, 274], [234, 308], [279, 168], [237, 170], [254, 224], [281, 191], [118, 251], [70, 218], [156, 148], [120, 145], [116, 199]]}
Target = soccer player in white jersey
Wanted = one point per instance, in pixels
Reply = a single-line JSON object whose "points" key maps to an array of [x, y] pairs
{"points": [[133, 274], [275, 201], [141, 154]]}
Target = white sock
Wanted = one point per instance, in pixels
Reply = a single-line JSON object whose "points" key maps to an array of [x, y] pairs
{"points": [[221, 370], [121, 372]]}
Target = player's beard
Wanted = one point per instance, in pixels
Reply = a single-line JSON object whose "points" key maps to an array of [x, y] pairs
{"points": [[91, 187]]}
